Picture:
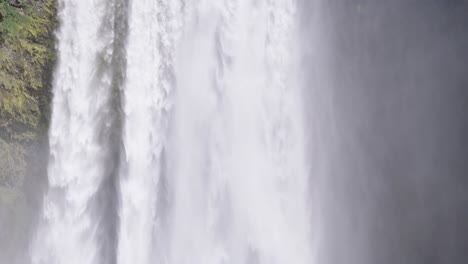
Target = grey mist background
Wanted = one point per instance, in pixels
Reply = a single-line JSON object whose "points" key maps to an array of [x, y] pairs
{"points": [[394, 76]]}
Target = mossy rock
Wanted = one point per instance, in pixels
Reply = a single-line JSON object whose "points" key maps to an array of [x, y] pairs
{"points": [[9, 198], [27, 56], [12, 164]]}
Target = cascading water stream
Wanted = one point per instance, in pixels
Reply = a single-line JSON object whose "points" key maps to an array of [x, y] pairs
{"points": [[70, 228], [235, 155], [145, 107], [212, 163]]}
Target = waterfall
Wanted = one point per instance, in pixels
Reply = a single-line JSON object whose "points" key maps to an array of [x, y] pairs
{"points": [[70, 228], [145, 98], [211, 165]]}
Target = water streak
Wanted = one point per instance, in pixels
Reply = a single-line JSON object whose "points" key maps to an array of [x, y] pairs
{"points": [[212, 163], [70, 229]]}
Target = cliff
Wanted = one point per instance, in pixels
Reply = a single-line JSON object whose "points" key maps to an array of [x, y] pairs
{"points": [[27, 57]]}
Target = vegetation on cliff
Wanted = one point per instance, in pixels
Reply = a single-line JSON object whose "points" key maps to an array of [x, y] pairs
{"points": [[26, 59], [27, 56]]}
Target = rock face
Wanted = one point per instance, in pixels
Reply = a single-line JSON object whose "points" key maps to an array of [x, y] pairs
{"points": [[26, 60], [27, 57]]}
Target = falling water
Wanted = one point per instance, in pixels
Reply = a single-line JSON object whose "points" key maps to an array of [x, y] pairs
{"points": [[145, 107], [70, 227], [235, 157], [212, 166]]}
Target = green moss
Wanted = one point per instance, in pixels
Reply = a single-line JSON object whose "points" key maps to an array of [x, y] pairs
{"points": [[26, 57], [26, 60]]}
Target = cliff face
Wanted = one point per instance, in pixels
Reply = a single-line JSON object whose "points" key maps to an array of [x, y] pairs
{"points": [[27, 57]]}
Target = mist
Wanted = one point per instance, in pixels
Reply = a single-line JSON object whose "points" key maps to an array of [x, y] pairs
{"points": [[387, 85]]}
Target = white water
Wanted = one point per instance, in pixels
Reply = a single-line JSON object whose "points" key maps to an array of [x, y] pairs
{"points": [[145, 107], [212, 166], [68, 231]]}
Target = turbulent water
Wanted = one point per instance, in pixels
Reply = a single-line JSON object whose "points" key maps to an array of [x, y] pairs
{"points": [[176, 136]]}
